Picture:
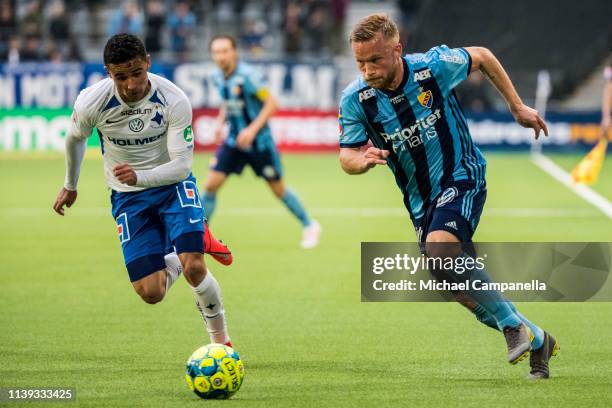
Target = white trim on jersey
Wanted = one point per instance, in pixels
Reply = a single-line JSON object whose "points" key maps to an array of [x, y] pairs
{"points": [[153, 135]]}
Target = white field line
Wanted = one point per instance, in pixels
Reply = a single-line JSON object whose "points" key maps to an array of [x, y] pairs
{"points": [[279, 211], [583, 191]]}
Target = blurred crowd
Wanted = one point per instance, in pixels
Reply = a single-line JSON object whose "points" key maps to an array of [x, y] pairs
{"points": [[33, 32], [66, 30]]}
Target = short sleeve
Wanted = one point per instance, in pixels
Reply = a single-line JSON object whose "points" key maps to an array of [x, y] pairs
{"points": [[256, 85], [351, 124], [450, 65]]}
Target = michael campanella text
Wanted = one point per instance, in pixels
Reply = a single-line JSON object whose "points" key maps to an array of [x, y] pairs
{"points": [[434, 285]]}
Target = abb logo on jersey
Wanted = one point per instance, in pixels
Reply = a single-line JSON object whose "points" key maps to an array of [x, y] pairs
{"points": [[367, 94], [422, 75]]}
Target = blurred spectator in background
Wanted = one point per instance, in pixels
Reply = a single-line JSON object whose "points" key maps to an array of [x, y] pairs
{"points": [[338, 11], [10, 54], [317, 29], [128, 19], [473, 94], [31, 24], [182, 27], [253, 35], [155, 20], [293, 28], [8, 24], [407, 24], [31, 50], [59, 23], [54, 54]]}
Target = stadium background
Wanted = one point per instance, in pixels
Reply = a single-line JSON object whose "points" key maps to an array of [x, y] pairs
{"points": [[68, 316]]}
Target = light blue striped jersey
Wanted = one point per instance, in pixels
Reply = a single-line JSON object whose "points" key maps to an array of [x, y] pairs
{"points": [[243, 94], [420, 123]]}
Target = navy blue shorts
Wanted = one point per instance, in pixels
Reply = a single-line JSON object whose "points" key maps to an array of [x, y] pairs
{"points": [[154, 222], [456, 210], [265, 162]]}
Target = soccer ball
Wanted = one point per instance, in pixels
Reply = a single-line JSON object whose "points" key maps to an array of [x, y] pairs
{"points": [[214, 371]]}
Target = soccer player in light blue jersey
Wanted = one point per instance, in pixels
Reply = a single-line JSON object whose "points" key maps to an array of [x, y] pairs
{"points": [[247, 107], [406, 107]]}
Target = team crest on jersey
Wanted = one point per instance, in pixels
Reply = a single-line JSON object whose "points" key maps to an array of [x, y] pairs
{"points": [[122, 228], [136, 125], [426, 99], [188, 134], [340, 128], [158, 120]]}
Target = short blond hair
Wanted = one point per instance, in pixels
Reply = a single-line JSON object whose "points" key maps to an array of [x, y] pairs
{"points": [[369, 26]]}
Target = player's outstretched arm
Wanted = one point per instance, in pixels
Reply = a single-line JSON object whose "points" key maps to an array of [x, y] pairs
{"points": [[484, 60], [355, 160]]}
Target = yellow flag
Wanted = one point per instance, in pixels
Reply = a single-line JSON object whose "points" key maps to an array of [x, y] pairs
{"points": [[587, 171]]}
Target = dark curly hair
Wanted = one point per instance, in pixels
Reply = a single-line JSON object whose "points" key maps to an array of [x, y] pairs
{"points": [[122, 48]]}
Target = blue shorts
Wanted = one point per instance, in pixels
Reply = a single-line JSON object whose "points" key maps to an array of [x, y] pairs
{"points": [[265, 162], [153, 222], [456, 210]]}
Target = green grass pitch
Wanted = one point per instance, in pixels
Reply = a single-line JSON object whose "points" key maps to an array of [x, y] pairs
{"points": [[70, 318]]}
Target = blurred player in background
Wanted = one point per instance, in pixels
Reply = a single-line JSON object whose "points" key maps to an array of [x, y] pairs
{"points": [[407, 108], [247, 106], [144, 125], [606, 103]]}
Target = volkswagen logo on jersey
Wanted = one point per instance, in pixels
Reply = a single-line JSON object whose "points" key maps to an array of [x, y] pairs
{"points": [[136, 125], [425, 99]]}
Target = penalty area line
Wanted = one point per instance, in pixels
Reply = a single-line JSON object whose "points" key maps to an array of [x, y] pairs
{"points": [[583, 191]]}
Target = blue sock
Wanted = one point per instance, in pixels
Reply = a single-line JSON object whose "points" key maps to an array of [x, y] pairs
{"points": [[209, 201], [292, 202], [485, 317], [493, 302], [538, 334]]}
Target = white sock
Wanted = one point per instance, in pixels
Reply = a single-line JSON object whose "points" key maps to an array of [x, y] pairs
{"points": [[173, 269], [209, 302]]}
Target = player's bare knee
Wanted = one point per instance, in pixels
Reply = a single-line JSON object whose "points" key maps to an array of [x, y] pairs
{"points": [[150, 290], [150, 295], [441, 244], [194, 269], [278, 188]]}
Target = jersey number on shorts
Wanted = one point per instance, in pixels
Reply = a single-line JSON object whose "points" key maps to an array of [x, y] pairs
{"points": [[188, 194], [122, 228]]}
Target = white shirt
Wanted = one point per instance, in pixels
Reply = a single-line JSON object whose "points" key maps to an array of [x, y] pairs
{"points": [[153, 135]]}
